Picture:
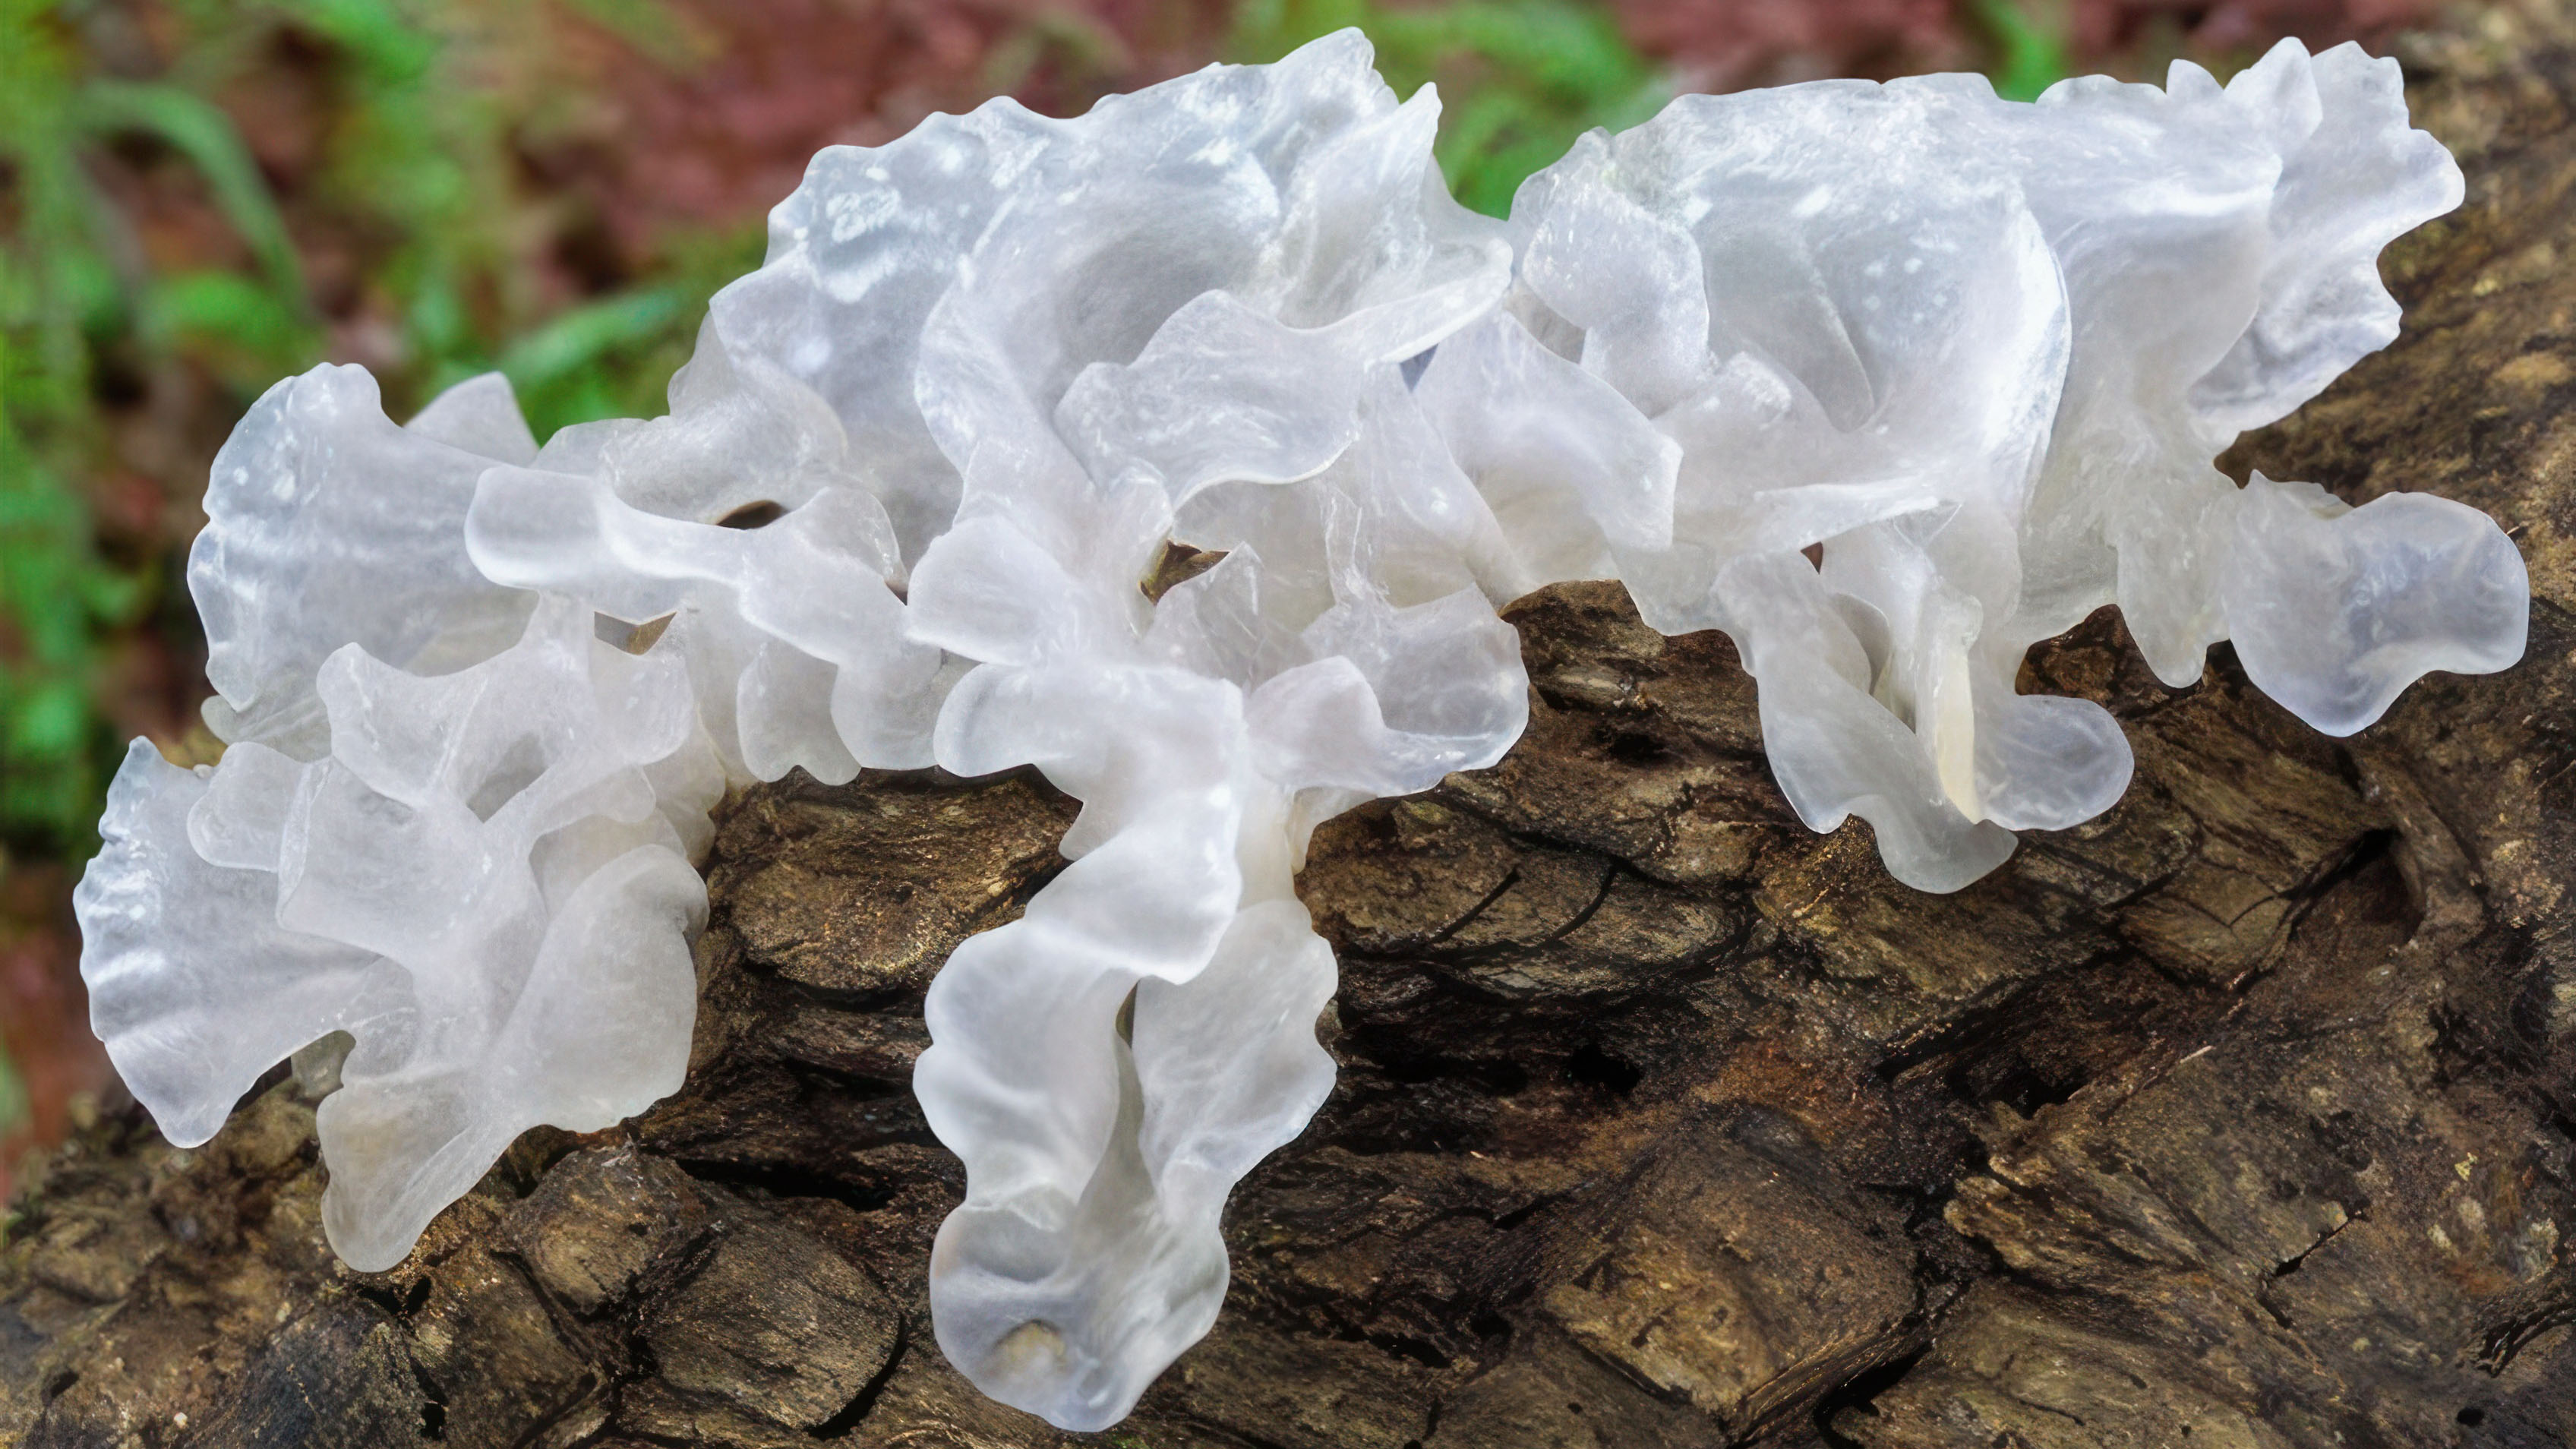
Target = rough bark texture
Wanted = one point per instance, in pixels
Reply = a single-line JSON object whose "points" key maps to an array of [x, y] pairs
{"points": [[2241, 1117]]}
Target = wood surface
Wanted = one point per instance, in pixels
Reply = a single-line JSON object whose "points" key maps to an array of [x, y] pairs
{"points": [[2243, 1116]]}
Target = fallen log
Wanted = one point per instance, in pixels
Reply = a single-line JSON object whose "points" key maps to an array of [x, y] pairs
{"points": [[2243, 1115]]}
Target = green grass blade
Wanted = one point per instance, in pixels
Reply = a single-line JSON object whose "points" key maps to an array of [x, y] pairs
{"points": [[580, 338], [2034, 48], [232, 320], [200, 130]]}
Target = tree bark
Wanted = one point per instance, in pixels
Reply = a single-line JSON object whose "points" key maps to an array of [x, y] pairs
{"points": [[2241, 1116]]}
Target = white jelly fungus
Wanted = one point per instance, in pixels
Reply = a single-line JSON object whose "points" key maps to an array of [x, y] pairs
{"points": [[1887, 382]]}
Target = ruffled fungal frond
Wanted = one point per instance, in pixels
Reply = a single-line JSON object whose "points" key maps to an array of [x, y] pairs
{"points": [[746, 521], [484, 882], [1978, 358], [327, 525], [948, 292]]}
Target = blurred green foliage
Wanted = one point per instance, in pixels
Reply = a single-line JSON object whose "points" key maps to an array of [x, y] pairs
{"points": [[417, 160], [1520, 79], [13, 1098], [55, 290], [2030, 44]]}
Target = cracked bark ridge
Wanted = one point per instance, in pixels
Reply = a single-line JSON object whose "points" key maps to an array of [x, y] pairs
{"points": [[2239, 1117]]}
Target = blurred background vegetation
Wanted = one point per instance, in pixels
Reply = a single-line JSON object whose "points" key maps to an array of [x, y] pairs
{"points": [[199, 197]]}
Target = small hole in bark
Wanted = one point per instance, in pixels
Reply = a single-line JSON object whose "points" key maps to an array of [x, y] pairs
{"points": [[1630, 748], [433, 1403], [2473, 1416], [1403, 1346], [2017, 1082], [1595, 1067], [60, 1384], [753, 515]]}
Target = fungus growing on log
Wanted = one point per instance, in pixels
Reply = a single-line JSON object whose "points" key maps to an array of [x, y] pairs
{"points": [[1887, 382]]}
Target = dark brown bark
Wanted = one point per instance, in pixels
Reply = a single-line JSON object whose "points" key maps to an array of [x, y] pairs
{"points": [[2240, 1117]]}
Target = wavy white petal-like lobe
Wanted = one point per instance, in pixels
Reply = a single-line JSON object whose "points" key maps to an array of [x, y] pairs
{"points": [[176, 949], [599, 1030], [2336, 610], [1642, 325], [1836, 750], [1071, 1313], [2352, 181], [1565, 463], [1222, 393], [479, 415], [328, 525], [1099, 1155], [480, 882], [2045, 762]]}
